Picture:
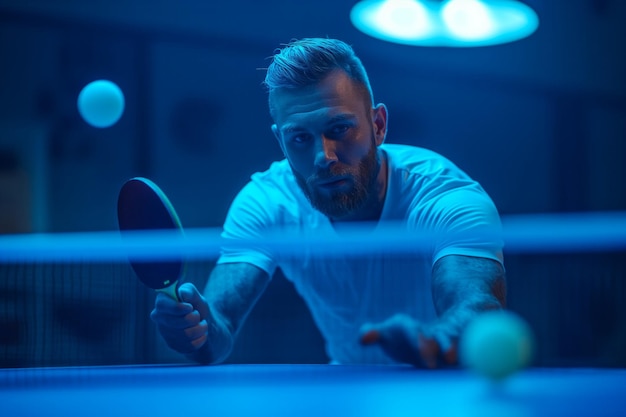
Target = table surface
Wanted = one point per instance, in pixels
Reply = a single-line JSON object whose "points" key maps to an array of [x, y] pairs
{"points": [[307, 390]]}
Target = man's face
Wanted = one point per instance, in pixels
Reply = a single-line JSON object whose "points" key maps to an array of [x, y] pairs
{"points": [[330, 136]]}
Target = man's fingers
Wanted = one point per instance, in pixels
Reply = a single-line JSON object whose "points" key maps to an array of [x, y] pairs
{"points": [[451, 356], [406, 340], [177, 318], [164, 304], [200, 341], [397, 336], [189, 294], [390, 330], [197, 330], [429, 350], [448, 352], [370, 337]]}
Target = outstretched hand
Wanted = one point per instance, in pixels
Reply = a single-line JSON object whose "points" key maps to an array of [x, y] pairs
{"points": [[409, 341], [183, 324]]}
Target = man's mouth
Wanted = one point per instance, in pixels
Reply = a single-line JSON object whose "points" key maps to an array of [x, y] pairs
{"points": [[332, 183]]}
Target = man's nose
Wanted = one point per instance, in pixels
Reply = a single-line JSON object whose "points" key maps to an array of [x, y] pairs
{"points": [[326, 153]]}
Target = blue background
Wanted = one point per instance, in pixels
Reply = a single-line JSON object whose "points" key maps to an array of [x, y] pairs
{"points": [[541, 123]]}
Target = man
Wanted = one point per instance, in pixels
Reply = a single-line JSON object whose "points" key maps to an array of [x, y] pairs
{"points": [[338, 171]]}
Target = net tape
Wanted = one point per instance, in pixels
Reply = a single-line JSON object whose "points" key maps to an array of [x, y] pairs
{"points": [[519, 234]]}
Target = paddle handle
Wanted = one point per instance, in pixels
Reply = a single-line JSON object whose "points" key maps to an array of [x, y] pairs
{"points": [[171, 291]]}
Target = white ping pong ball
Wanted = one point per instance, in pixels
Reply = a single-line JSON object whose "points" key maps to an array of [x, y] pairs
{"points": [[101, 103], [496, 344]]}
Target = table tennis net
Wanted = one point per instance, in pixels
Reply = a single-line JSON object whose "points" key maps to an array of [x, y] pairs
{"points": [[97, 313]]}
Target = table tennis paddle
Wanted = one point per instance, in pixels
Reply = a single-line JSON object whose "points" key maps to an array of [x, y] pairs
{"points": [[141, 205]]}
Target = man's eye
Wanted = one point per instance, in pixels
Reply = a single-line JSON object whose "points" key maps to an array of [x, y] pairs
{"points": [[339, 129], [300, 138]]}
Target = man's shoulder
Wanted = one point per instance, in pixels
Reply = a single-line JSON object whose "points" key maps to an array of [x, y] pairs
{"points": [[419, 161], [278, 171], [277, 177], [275, 186]]}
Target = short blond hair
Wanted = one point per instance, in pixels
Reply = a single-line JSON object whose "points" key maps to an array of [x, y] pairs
{"points": [[308, 61]]}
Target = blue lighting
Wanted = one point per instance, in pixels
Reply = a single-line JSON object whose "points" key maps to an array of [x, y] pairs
{"points": [[452, 23]]}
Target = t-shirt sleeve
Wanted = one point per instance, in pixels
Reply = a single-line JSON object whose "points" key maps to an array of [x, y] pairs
{"points": [[464, 221], [248, 217]]}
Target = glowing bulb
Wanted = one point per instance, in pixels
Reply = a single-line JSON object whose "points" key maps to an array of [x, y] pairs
{"points": [[403, 18], [468, 19], [454, 23], [393, 19]]}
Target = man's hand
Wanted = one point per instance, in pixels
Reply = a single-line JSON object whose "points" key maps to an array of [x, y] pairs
{"points": [[462, 286], [184, 325], [406, 340]]}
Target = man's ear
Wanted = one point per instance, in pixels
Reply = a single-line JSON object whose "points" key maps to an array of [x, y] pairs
{"points": [[379, 120], [276, 133]]}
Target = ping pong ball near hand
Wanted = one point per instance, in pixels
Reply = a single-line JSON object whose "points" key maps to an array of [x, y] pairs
{"points": [[496, 344], [101, 103]]}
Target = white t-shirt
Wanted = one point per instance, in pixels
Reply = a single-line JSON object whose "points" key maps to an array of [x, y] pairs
{"points": [[424, 190]]}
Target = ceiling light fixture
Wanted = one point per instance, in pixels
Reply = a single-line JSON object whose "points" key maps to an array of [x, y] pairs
{"points": [[451, 23]]}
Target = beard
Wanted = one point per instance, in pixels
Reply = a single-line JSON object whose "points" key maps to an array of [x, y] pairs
{"points": [[342, 203]]}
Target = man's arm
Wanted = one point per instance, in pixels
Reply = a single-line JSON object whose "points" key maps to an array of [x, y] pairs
{"points": [[231, 292], [462, 286]]}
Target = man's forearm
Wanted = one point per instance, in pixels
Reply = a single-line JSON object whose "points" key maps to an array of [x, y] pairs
{"points": [[463, 286]]}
